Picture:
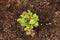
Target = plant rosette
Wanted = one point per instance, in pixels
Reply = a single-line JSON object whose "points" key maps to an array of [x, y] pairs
{"points": [[28, 21]]}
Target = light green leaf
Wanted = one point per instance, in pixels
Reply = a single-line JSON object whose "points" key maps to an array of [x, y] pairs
{"points": [[31, 21], [36, 24], [19, 19], [31, 27]]}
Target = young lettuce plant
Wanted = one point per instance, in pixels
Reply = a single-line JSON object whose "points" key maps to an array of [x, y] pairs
{"points": [[29, 21]]}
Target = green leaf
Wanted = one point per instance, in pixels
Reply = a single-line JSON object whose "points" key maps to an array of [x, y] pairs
{"points": [[29, 13], [31, 21], [26, 28], [35, 17], [19, 19], [23, 22], [21, 16], [31, 27], [36, 24]]}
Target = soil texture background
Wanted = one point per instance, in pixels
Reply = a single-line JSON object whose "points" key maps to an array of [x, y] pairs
{"points": [[48, 12]]}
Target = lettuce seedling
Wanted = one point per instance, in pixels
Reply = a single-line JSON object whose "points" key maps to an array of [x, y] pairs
{"points": [[28, 20]]}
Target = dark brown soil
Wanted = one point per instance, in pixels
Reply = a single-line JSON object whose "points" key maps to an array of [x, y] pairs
{"points": [[49, 19]]}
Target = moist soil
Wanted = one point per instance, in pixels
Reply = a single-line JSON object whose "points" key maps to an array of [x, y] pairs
{"points": [[48, 12]]}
